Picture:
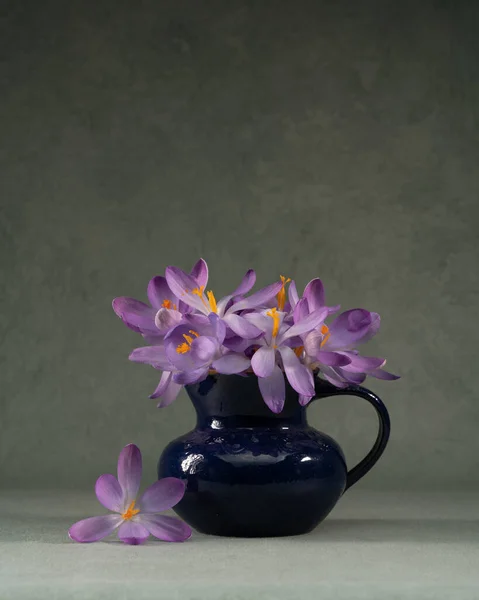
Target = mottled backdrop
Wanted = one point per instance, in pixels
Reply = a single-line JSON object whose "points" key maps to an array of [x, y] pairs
{"points": [[337, 139]]}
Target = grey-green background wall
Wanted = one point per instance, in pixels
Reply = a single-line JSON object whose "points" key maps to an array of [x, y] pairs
{"points": [[337, 139]]}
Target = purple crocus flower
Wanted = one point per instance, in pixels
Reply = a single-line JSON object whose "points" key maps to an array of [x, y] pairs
{"points": [[134, 519], [275, 350], [195, 348], [167, 389], [166, 308], [313, 297], [191, 350], [332, 348], [279, 301], [272, 331], [186, 288]]}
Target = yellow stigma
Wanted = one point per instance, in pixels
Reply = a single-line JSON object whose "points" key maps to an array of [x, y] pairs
{"points": [[130, 512], [186, 345], [273, 313], [212, 301], [325, 332], [281, 295]]}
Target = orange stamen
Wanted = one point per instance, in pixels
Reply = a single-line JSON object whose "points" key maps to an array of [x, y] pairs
{"points": [[212, 301], [281, 295], [168, 304], [326, 333], [299, 351], [183, 348], [186, 345], [130, 512], [273, 313]]}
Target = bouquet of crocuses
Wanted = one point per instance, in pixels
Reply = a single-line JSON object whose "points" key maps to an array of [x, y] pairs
{"points": [[273, 333]]}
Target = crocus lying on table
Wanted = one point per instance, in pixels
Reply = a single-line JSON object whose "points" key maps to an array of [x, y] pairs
{"points": [[134, 519], [273, 333]]}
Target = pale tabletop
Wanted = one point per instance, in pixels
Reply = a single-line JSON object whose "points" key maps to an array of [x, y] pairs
{"points": [[373, 546]]}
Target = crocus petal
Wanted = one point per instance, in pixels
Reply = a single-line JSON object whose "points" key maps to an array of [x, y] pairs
{"points": [[333, 309], [293, 296], [129, 472], [162, 495], [166, 319], [231, 363], [241, 326], [182, 285], [136, 315], [299, 376], [295, 343], [381, 374], [218, 327], [153, 339], [258, 298], [237, 343], [179, 282], [163, 385], [312, 342], [373, 328], [350, 328], [331, 375], [273, 390], [197, 321], [94, 528], [158, 291], [260, 321], [222, 305], [361, 364], [170, 394], [186, 351], [168, 529], [151, 355], [246, 284], [109, 492], [311, 322], [200, 272], [334, 379], [184, 308], [193, 376], [263, 361], [133, 532], [305, 400], [301, 310], [203, 349], [314, 294], [332, 359], [356, 378]]}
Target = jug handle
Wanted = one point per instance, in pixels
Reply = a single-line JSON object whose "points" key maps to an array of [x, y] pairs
{"points": [[325, 389]]}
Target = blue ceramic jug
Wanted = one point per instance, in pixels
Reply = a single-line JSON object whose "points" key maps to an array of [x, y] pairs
{"points": [[253, 473]]}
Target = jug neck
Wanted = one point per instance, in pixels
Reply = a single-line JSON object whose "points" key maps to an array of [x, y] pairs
{"points": [[229, 401]]}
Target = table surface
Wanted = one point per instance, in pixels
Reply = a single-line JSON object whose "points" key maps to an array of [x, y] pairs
{"points": [[373, 546]]}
